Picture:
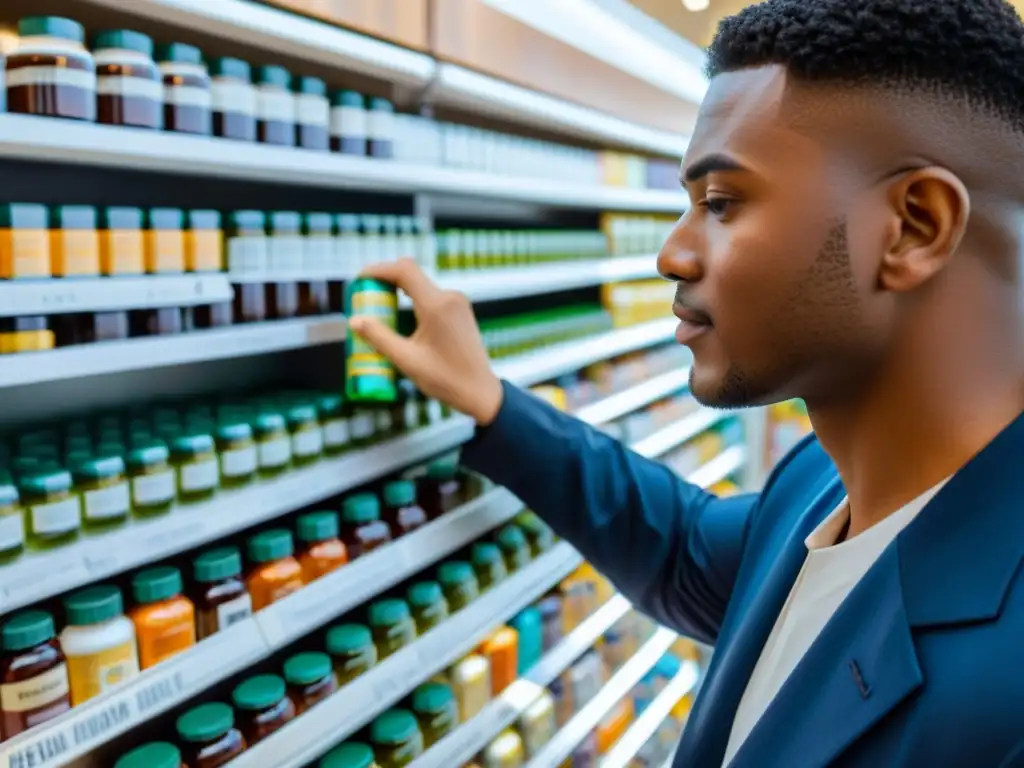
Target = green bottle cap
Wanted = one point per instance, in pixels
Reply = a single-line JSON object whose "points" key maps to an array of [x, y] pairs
{"points": [[165, 218], [360, 508], [188, 446], [24, 215], [124, 40], [349, 99], [352, 754], [121, 217], [155, 584], [231, 431], [267, 422], [149, 453], [511, 538], [348, 638], [99, 468], [313, 86], [307, 668], [285, 222], [317, 526], [203, 219], [455, 573], [73, 217], [93, 605], [442, 469], [330, 405], [270, 545], [425, 593], [51, 26], [301, 415], [259, 692], [485, 553], [206, 722], [400, 493], [318, 223], [158, 754], [228, 66], [26, 630], [183, 53], [269, 74], [432, 698], [46, 480], [388, 612], [248, 221], [217, 565], [381, 105], [396, 726]]}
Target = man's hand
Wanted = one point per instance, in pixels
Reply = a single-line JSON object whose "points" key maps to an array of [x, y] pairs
{"points": [[445, 357]]}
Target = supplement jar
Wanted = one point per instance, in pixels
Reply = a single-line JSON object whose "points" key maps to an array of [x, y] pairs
{"points": [[156, 754], [221, 598], [319, 262], [331, 410], [381, 129], [234, 99], [187, 97], [128, 83], [275, 106], [122, 241], [352, 651], [99, 642], [396, 738], [275, 573], [488, 564], [362, 530], [165, 241], [209, 737], [307, 434], [322, 550], [263, 707], [238, 455], [284, 262], [369, 376], [436, 711], [53, 512], [514, 547], [428, 604], [401, 512], [352, 754], [195, 458], [74, 241], [106, 498], [165, 620], [273, 443], [459, 584], [151, 477], [24, 241], [312, 114], [50, 72], [204, 242], [310, 679], [392, 626], [12, 520], [348, 123], [33, 673]]}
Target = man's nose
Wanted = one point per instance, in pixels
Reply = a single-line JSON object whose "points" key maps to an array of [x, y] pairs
{"points": [[679, 257]]}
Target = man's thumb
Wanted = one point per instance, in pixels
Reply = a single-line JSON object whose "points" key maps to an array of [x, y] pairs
{"points": [[383, 339]]}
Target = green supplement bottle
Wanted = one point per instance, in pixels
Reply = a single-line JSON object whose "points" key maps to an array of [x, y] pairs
{"points": [[369, 376]]}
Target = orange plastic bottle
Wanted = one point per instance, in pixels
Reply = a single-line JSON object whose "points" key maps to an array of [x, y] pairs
{"points": [[501, 649], [322, 550], [275, 571], [165, 620]]}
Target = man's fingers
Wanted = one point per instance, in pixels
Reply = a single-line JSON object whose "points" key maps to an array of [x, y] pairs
{"points": [[407, 275], [385, 340]]}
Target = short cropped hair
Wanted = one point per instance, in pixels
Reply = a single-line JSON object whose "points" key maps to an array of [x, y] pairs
{"points": [[966, 49]]}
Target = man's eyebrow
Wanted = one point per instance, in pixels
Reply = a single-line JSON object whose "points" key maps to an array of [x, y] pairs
{"points": [[710, 164]]}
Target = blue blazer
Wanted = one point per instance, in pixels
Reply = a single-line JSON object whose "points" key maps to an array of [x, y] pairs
{"points": [[921, 666]]}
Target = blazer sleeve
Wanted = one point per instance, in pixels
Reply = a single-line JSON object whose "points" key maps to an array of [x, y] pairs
{"points": [[670, 547]]}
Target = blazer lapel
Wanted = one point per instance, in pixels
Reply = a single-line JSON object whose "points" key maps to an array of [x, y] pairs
{"points": [[861, 666], [710, 723]]}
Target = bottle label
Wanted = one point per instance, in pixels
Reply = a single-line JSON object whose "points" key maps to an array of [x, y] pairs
{"points": [[188, 96], [285, 253], [336, 433], [362, 425], [307, 442], [155, 645], [234, 611], [347, 122], [38, 693], [384, 421], [233, 96], [312, 110], [73, 78], [283, 590], [411, 414], [30, 252], [275, 453], [364, 360], [56, 518], [157, 488], [128, 85], [381, 125], [318, 258], [275, 106], [12, 532], [165, 251], [435, 413], [200, 476], [96, 673], [239, 462], [107, 503], [350, 253], [247, 254]]}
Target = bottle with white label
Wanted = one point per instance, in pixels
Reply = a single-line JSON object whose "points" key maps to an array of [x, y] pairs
{"points": [[307, 434], [275, 106], [233, 98], [380, 126], [52, 512], [129, 86], [98, 641], [238, 455], [335, 423], [195, 459], [348, 123], [312, 114], [50, 73], [151, 478], [273, 443], [12, 520], [187, 98], [106, 498]]}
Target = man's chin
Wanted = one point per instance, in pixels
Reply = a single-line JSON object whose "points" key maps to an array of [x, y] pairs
{"points": [[721, 389]]}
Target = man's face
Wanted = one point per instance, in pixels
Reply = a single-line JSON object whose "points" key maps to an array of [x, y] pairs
{"points": [[769, 298]]}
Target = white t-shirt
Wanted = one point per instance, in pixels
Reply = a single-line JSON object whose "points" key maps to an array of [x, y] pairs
{"points": [[828, 575]]}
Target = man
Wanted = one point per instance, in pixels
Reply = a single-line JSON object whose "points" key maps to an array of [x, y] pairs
{"points": [[856, 178]]}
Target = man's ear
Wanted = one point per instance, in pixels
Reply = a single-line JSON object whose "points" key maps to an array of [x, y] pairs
{"points": [[930, 207]]}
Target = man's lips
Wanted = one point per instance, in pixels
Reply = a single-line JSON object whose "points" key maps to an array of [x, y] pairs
{"points": [[692, 324]]}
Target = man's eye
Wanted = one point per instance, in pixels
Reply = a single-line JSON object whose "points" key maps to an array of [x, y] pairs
{"points": [[718, 206]]}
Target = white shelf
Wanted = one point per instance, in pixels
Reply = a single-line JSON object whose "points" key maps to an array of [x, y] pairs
{"points": [[330, 722], [160, 351], [536, 367], [469, 738], [724, 464], [37, 576], [677, 433], [621, 683], [481, 285], [288, 34], [650, 719], [64, 141], [634, 398], [111, 294], [168, 684], [457, 86]]}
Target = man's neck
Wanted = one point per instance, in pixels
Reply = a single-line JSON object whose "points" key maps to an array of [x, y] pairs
{"points": [[923, 417]]}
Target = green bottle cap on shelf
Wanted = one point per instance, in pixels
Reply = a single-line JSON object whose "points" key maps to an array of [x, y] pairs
{"points": [[93, 605], [192, 445], [269, 421], [46, 479], [396, 726], [26, 630], [205, 722], [348, 638], [155, 584], [182, 53], [259, 692], [400, 493], [271, 74], [455, 573], [443, 469], [203, 219], [330, 405], [301, 414], [157, 754], [99, 467], [121, 217], [270, 545], [73, 217], [217, 565], [147, 454], [360, 508], [318, 223], [51, 26], [307, 668], [317, 526], [388, 612], [432, 698], [348, 223], [24, 216], [248, 221], [8, 490], [485, 553], [228, 66], [352, 754], [165, 218], [425, 593], [124, 40], [511, 537], [349, 99], [378, 104], [313, 86], [285, 222], [234, 430]]}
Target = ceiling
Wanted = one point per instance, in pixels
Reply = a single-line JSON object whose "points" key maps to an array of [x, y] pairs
{"points": [[699, 27]]}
